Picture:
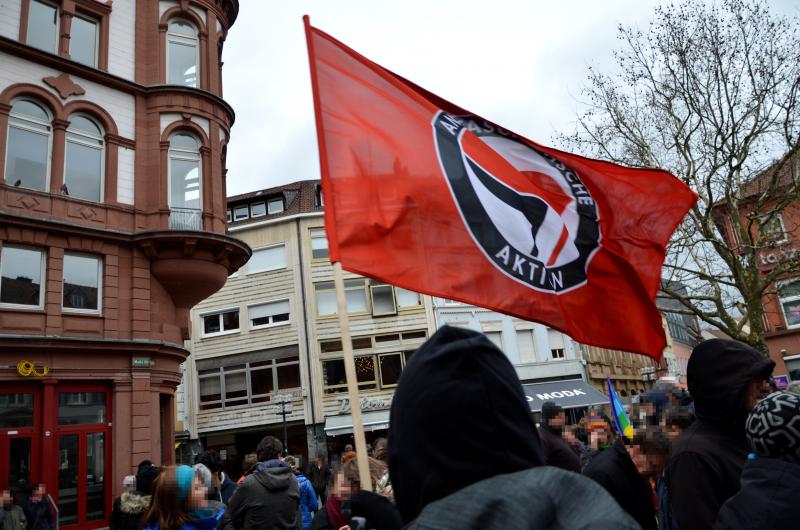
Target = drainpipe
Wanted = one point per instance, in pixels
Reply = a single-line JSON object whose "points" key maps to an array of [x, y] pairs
{"points": [[305, 328]]}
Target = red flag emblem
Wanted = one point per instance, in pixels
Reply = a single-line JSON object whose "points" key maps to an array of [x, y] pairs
{"points": [[424, 195]]}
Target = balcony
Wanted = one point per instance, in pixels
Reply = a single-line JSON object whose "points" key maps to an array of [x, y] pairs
{"points": [[185, 219]]}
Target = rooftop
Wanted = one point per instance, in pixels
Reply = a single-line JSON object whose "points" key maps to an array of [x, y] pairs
{"points": [[299, 197]]}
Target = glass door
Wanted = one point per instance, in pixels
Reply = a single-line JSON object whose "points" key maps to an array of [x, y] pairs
{"points": [[83, 494], [19, 440]]}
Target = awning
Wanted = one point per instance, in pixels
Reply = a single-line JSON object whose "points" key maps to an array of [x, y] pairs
{"points": [[373, 420], [567, 394]]}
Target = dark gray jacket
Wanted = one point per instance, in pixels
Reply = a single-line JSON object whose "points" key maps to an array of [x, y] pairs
{"points": [[268, 498], [542, 497]]}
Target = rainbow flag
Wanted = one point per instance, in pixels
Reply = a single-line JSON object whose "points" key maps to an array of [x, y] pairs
{"points": [[621, 419]]}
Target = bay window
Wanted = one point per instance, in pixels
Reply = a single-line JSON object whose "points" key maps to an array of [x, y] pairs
{"points": [[183, 47], [84, 159], [28, 146], [185, 183]]}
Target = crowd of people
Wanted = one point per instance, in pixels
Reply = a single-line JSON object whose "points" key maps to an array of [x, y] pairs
{"points": [[463, 452]]}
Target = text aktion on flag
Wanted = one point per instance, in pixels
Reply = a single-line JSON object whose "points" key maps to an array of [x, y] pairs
{"points": [[427, 196]]}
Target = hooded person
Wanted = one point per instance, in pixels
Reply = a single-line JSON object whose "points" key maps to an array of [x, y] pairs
{"points": [[308, 497], [771, 477], [726, 379], [464, 452], [130, 507], [557, 451], [270, 496]]}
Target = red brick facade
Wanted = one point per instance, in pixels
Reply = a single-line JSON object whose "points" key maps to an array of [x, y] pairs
{"points": [[129, 352]]}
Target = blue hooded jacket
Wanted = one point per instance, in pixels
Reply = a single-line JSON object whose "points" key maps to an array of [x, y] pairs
{"points": [[308, 499]]}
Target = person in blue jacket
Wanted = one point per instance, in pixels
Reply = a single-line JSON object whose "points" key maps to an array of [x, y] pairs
{"points": [[179, 502], [308, 496]]}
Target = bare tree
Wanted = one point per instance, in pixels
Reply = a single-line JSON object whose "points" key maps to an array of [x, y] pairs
{"points": [[710, 93]]}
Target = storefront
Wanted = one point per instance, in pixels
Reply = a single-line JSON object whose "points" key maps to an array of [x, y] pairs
{"points": [[59, 435], [575, 396]]}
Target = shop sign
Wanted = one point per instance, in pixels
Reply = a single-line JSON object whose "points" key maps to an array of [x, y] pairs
{"points": [[367, 403], [782, 256]]}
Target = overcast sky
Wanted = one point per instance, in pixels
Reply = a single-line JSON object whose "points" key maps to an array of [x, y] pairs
{"points": [[518, 63]]}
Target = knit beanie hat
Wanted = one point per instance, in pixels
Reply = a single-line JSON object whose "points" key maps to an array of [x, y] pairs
{"points": [[145, 478], [184, 476], [773, 428]]}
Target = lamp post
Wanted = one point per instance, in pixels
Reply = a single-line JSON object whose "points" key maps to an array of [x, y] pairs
{"points": [[286, 408]]}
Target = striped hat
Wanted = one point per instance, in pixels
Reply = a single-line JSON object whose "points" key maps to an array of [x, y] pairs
{"points": [[773, 428]]}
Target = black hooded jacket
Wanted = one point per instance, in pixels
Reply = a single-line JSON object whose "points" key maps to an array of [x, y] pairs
{"points": [[268, 498], [615, 471], [459, 416], [706, 462]]}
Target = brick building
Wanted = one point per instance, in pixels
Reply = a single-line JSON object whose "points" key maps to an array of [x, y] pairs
{"points": [[781, 248], [112, 226]]}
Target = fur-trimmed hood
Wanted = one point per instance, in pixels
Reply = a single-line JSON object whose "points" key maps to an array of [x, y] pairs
{"points": [[134, 503]]}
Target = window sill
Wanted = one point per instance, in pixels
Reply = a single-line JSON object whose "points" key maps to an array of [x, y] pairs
{"points": [[220, 334], [25, 308], [81, 312], [270, 326]]}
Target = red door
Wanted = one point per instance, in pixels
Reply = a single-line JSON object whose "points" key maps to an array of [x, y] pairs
{"points": [[20, 436], [83, 438]]}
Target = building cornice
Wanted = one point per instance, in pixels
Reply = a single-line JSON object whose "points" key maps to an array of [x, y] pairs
{"points": [[68, 66]]}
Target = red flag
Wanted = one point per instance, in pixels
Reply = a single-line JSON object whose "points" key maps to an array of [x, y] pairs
{"points": [[424, 195]]}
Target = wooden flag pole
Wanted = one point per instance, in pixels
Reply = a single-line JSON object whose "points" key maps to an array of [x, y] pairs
{"points": [[352, 381]]}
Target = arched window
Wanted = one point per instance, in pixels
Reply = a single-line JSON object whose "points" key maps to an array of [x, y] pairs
{"points": [[28, 147], [183, 50], [84, 159], [184, 182]]}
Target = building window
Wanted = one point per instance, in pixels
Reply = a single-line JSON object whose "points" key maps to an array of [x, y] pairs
{"points": [[83, 170], [220, 323], [355, 294], [774, 229], [382, 296], [21, 275], [373, 372], [43, 26], [275, 206], [182, 53], [228, 217], [240, 213], [267, 259], [82, 408], [319, 244], [184, 182], [258, 209], [28, 146], [248, 383], [557, 353], [83, 41], [320, 199], [82, 289], [789, 295], [269, 314], [407, 299]]}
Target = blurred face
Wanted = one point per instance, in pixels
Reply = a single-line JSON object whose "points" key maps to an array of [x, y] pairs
{"points": [[197, 496], [342, 487], [756, 390], [648, 466], [570, 438], [5, 497], [39, 491], [558, 420], [673, 431]]}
